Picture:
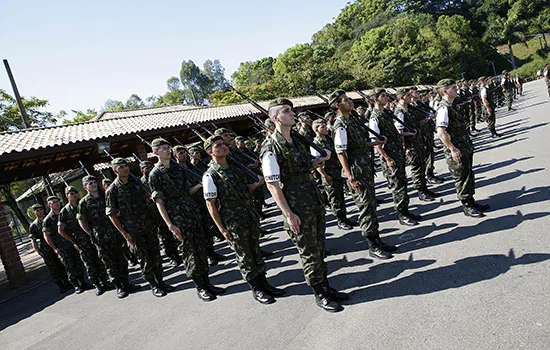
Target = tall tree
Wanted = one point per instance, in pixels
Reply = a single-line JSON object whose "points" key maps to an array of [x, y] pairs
{"points": [[505, 30], [134, 102], [10, 117]]}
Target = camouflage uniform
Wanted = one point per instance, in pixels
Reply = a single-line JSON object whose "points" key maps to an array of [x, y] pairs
{"points": [[69, 255], [109, 242], [415, 147], [234, 202], [428, 130], [397, 179], [334, 192], [360, 160], [171, 185], [462, 172], [304, 199], [508, 94], [131, 202], [87, 249], [167, 240], [54, 265]]}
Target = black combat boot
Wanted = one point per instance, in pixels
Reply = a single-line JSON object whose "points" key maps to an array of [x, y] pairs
{"points": [[121, 291], [163, 285], [258, 293], [333, 293], [387, 247], [424, 197], [202, 292], [472, 211], [62, 287], [269, 289], [98, 289], [324, 301], [407, 221], [212, 288], [376, 251], [342, 225], [155, 288]]}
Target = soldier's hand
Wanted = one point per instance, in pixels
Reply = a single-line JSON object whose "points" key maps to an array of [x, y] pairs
{"points": [[176, 231], [328, 155], [384, 140], [408, 153], [391, 163], [58, 252], [294, 222], [131, 245], [227, 236], [261, 180], [455, 153], [356, 185]]}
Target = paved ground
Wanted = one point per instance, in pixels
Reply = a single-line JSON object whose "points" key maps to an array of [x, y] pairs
{"points": [[457, 282]]}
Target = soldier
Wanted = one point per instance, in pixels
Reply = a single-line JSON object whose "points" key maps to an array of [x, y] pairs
{"points": [[172, 195], [54, 265], [413, 144], [167, 240], [352, 145], [304, 126], [331, 176], [197, 158], [286, 159], [91, 217], [127, 205], [228, 198], [488, 103], [70, 230], [393, 164], [546, 75], [63, 249], [459, 150], [105, 183], [507, 86]]}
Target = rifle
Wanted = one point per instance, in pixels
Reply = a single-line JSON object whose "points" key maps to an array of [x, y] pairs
{"points": [[48, 184], [189, 164], [62, 179], [312, 90], [250, 158], [316, 114], [394, 117], [295, 134], [239, 164], [102, 174]]}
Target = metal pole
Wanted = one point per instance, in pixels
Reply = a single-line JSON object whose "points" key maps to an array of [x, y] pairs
{"points": [[17, 96], [494, 70]]}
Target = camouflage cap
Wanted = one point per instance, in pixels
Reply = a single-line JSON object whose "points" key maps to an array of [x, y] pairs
{"points": [[52, 198], [330, 114], [319, 121], [88, 178], [303, 115], [482, 79], [118, 161], [334, 96], [239, 138], [402, 91], [36, 206], [445, 83], [178, 148], [210, 141], [268, 122], [145, 164], [505, 72], [70, 189], [377, 91], [195, 148], [106, 182], [221, 131], [159, 142], [280, 102]]}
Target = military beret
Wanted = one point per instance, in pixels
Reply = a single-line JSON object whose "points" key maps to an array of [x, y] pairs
{"points": [[106, 182], [70, 189], [482, 79], [159, 142], [330, 114], [210, 141], [145, 164], [334, 96], [504, 71], [377, 91], [52, 198], [402, 91], [319, 121], [445, 82], [303, 115], [195, 149], [178, 148], [118, 161], [88, 178], [37, 206], [221, 131], [239, 138], [280, 102], [268, 122]]}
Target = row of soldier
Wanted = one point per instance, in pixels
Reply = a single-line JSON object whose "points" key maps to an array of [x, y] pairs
{"points": [[193, 200]]}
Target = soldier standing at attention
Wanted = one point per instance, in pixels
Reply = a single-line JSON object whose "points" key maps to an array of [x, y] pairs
{"points": [[459, 150], [91, 217], [228, 198], [393, 154], [127, 205], [54, 265], [70, 230], [63, 249], [351, 143], [546, 75], [489, 104], [331, 175], [287, 159], [172, 195], [507, 86]]}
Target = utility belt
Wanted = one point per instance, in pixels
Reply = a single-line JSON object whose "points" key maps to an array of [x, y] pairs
{"points": [[299, 178]]}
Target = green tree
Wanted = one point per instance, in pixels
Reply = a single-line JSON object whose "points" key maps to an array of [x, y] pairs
{"points": [[10, 117], [254, 72], [173, 83], [134, 102], [81, 116], [502, 30]]}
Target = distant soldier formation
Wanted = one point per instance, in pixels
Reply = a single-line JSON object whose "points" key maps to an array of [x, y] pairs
{"points": [[215, 191]]}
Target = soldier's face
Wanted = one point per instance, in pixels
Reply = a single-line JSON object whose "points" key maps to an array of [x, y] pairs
{"points": [[322, 129], [146, 170], [219, 149], [72, 196], [54, 204], [181, 156], [196, 155], [227, 138], [39, 213], [345, 104], [91, 186], [452, 91], [285, 116], [122, 170], [240, 144], [382, 98]]}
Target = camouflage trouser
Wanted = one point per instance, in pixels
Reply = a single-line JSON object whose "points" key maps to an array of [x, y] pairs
{"points": [[548, 86], [90, 257], [479, 112], [491, 120], [472, 116], [311, 244], [54, 265], [509, 98], [362, 170], [418, 169], [111, 251], [463, 175], [193, 248], [148, 254], [167, 240], [246, 244], [429, 153], [335, 196], [397, 180], [71, 261]]}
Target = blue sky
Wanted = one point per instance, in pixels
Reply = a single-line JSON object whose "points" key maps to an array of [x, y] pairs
{"points": [[77, 54]]}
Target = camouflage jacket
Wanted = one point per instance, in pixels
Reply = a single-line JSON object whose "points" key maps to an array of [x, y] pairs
{"points": [[394, 144], [457, 128], [68, 220], [411, 142], [92, 210], [332, 166], [50, 225]]}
